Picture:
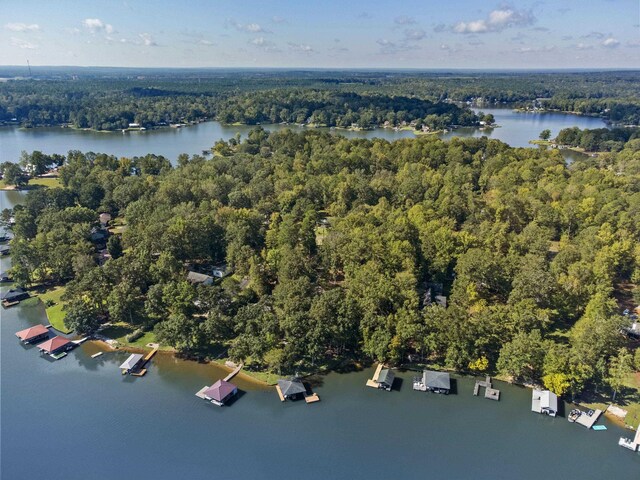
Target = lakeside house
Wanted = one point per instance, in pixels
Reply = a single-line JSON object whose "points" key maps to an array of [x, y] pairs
{"points": [[199, 278], [99, 237], [221, 270], [544, 401], [14, 296], [104, 218], [56, 345], [291, 389], [386, 379], [33, 334], [131, 363], [433, 381], [220, 392]]}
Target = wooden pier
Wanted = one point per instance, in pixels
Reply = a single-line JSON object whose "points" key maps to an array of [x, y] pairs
{"points": [[282, 399], [200, 393], [234, 373], [313, 398], [373, 382], [489, 392], [96, 355], [150, 355]]}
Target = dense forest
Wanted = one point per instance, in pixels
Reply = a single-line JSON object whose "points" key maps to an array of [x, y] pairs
{"points": [[467, 254], [335, 109], [111, 99], [599, 139]]}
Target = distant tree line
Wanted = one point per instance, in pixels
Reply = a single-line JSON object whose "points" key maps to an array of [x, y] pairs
{"points": [[111, 101]]}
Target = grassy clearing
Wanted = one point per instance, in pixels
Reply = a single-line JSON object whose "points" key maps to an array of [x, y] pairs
{"points": [[628, 399], [119, 332], [54, 312], [49, 182]]}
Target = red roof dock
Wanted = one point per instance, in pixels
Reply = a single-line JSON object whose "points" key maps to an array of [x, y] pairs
{"points": [[33, 334]]}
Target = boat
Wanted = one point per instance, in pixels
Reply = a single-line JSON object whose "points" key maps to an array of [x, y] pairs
{"points": [[599, 427], [574, 415], [96, 354]]}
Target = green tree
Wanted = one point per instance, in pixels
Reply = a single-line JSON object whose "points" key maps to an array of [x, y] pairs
{"points": [[114, 246], [81, 316], [545, 134], [620, 367], [523, 357]]}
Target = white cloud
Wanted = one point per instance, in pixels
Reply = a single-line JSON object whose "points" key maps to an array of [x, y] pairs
{"points": [[611, 42], [264, 44], [388, 47], [248, 27], [496, 21], [147, 39], [414, 34], [404, 20], [95, 25], [22, 27], [18, 42], [597, 35], [301, 48], [584, 46], [207, 43]]}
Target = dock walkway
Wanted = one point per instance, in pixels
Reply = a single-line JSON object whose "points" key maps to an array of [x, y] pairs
{"points": [[234, 372], [489, 392], [200, 393], [373, 382]]}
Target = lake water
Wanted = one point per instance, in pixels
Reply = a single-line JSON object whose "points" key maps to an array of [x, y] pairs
{"points": [[516, 129], [79, 418]]}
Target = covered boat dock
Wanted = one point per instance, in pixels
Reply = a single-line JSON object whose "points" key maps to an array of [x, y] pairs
{"points": [[33, 334]]}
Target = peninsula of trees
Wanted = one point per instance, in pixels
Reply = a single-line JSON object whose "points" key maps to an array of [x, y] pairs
{"points": [[466, 254]]}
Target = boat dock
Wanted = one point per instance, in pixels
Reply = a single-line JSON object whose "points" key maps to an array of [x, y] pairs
{"points": [[200, 393], [139, 370], [586, 420], [313, 398], [632, 445], [373, 382], [81, 341], [489, 392]]}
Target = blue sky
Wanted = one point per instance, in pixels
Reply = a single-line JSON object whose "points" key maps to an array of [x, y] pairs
{"points": [[390, 34]]}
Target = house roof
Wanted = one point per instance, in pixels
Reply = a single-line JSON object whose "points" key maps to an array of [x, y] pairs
{"points": [[291, 387], [220, 390], [543, 399], [386, 376], [14, 293], [549, 400], [433, 379], [4, 248], [131, 362], [32, 332], [196, 277], [53, 344]]}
